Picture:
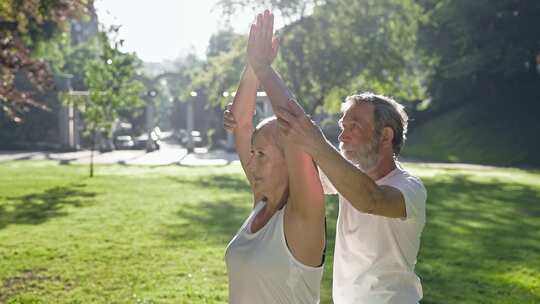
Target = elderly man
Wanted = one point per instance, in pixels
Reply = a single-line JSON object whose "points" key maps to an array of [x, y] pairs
{"points": [[381, 206]]}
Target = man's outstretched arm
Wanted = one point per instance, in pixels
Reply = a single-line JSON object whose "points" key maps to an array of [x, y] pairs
{"points": [[350, 181]]}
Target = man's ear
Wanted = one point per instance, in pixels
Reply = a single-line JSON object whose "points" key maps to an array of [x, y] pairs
{"points": [[387, 136]]}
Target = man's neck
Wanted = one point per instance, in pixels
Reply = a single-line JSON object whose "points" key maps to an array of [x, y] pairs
{"points": [[383, 168]]}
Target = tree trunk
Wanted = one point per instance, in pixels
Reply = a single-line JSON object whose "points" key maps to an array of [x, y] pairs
{"points": [[92, 144]]}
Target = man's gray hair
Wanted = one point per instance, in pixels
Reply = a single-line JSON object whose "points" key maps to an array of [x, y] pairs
{"points": [[387, 113]]}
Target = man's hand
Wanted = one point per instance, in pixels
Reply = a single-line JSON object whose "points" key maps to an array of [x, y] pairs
{"points": [[229, 123], [297, 128], [262, 45]]}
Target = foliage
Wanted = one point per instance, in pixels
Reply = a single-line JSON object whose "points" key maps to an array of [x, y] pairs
{"points": [[487, 52], [179, 81], [112, 85], [222, 70], [25, 28], [287, 8], [449, 52], [346, 46]]}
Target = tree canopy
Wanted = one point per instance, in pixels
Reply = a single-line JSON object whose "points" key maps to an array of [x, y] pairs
{"points": [[26, 27], [444, 52]]}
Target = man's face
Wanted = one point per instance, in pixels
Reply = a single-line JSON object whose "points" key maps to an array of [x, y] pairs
{"points": [[358, 141]]}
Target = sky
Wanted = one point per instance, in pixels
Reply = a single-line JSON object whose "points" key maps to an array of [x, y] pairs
{"points": [[158, 30]]}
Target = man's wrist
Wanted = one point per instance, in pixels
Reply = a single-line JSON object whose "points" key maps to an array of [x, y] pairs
{"points": [[320, 147]]}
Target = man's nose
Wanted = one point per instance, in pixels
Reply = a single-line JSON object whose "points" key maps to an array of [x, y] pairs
{"points": [[344, 136]]}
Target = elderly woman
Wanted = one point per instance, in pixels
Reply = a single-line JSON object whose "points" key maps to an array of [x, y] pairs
{"points": [[277, 256]]}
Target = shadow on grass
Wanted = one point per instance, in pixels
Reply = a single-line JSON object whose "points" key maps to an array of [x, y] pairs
{"points": [[216, 221], [37, 208], [476, 234], [225, 182], [220, 220], [26, 281], [211, 221]]}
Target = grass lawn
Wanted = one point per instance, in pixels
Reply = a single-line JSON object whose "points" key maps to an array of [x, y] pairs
{"points": [[158, 234], [473, 134]]}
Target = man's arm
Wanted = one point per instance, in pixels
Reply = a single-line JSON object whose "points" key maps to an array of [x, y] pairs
{"points": [[351, 182], [357, 187]]}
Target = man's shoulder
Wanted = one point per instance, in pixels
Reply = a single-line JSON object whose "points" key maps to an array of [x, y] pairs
{"points": [[401, 175], [406, 182]]}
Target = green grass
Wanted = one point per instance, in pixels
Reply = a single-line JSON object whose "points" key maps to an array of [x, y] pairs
{"points": [[480, 135], [158, 234]]}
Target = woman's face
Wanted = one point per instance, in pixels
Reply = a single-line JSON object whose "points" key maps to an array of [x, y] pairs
{"points": [[267, 166]]}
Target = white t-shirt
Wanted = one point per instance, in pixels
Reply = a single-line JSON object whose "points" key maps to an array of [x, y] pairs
{"points": [[374, 256], [262, 270]]}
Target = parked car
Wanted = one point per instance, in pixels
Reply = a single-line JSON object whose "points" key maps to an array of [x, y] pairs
{"points": [[195, 135], [123, 142]]}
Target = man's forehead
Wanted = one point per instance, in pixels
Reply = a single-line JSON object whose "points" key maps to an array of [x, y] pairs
{"points": [[359, 111]]}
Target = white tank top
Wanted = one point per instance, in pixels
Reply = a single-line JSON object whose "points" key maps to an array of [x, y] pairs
{"points": [[262, 269]]}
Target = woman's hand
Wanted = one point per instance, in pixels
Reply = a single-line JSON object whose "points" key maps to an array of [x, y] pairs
{"points": [[262, 45], [229, 123]]}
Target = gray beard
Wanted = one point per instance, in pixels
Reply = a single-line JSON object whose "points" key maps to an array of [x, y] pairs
{"points": [[365, 158]]}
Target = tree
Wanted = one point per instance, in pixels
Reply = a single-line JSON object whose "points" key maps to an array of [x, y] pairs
{"points": [[486, 52], [345, 46], [25, 26], [112, 87], [290, 9], [223, 68]]}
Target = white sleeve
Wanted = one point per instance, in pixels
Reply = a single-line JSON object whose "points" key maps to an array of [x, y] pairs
{"points": [[415, 195], [328, 187]]}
